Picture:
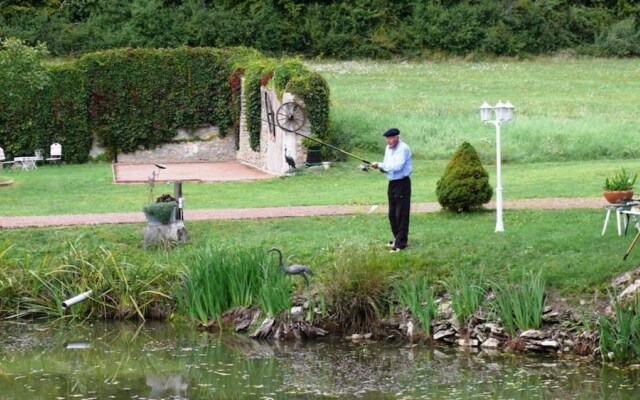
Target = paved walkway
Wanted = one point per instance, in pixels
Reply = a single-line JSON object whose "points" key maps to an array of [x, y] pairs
{"points": [[279, 212]]}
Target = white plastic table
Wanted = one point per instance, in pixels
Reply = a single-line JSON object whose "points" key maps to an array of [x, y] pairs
{"points": [[27, 163]]}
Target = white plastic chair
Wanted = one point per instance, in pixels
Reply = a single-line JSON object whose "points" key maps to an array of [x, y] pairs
{"points": [[3, 160], [55, 153]]}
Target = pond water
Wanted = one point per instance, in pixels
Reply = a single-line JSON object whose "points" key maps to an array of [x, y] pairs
{"points": [[166, 361]]}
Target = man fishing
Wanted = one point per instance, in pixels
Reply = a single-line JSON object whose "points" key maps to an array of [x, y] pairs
{"points": [[397, 164]]}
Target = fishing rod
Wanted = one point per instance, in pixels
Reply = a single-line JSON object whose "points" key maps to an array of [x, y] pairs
{"points": [[292, 114]]}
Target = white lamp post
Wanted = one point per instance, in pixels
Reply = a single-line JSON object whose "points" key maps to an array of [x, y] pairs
{"points": [[503, 113]]}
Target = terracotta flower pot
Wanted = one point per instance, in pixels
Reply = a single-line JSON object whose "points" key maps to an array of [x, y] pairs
{"points": [[618, 196]]}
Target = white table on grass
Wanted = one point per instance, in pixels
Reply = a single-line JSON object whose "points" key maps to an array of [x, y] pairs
{"points": [[27, 163]]}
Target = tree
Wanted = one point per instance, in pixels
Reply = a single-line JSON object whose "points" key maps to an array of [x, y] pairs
{"points": [[464, 186], [21, 70]]}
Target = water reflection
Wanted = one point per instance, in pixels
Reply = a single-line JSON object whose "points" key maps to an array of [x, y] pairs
{"points": [[165, 361], [167, 385]]}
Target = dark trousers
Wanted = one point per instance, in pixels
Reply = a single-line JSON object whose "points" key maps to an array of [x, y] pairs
{"points": [[399, 195]]}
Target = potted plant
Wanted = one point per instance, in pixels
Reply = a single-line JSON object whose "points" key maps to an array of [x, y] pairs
{"points": [[163, 211], [619, 186], [314, 149]]}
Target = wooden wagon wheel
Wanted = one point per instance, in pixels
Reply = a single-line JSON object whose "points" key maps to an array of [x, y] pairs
{"points": [[291, 117]]}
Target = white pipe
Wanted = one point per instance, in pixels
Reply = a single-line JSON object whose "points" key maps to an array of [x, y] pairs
{"points": [[77, 345], [77, 299]]}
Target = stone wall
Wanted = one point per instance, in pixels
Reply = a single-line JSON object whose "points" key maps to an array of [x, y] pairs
{"points": [[270, 155], [205, 144]]}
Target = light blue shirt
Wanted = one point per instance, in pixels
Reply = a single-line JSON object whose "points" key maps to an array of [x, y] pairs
{"points": [[397, 162]]}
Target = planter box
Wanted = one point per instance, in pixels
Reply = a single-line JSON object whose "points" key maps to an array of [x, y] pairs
{"points": [[161, 213]]}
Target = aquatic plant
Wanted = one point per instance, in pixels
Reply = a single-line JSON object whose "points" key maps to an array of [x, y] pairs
{"points": [[358, 290], [466, 296], [416, 295], [520, 307], [37, 287], [620, 335], [274, 295], [217, 279]]}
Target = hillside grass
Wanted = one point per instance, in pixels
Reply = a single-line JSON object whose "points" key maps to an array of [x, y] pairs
{"points": [[565, 108]]}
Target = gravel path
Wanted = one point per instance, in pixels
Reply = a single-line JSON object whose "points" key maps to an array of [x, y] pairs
{"points": [[278, 212]]}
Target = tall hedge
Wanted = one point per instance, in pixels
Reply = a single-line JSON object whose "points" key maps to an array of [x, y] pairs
{"points": [[56, 112], [128, 99], [138, 98]]}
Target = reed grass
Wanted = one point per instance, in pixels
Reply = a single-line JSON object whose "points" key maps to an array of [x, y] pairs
{"points": [[274, 295], [415, 294], [36, 287], [620, 335], [467, 293], [219, 278], [357, 288], [520, 307]]}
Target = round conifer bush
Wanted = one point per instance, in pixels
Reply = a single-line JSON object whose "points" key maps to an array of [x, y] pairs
{"points": [[464, 186]]}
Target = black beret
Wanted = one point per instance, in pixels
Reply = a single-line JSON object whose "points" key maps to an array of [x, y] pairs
{"points": [[391, 132]]}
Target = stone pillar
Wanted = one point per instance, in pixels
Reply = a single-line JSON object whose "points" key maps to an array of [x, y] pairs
{"points": [[166, 235]]}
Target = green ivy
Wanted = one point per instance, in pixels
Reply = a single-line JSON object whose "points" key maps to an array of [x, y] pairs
{"points": [[139, 98], [129, 99]]}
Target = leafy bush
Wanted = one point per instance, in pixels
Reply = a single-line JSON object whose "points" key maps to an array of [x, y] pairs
{"points": [[621, 39], [464, 186]]}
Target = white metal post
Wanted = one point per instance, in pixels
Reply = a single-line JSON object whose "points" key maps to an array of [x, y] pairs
{"points": [[503, 113], [499, 224]]}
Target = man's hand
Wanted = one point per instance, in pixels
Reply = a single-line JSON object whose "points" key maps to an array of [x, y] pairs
{"points": [[374, 165]]}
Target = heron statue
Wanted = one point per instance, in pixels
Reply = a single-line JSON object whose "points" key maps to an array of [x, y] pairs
{"points": [[289, 159], [293, 269]]}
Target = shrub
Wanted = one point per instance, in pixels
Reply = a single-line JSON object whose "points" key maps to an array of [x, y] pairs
{"points": [[464, 186], [621, 39]]}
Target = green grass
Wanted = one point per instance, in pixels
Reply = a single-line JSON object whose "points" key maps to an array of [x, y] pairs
{"points": [[567, 137], [566, 109], [77, 189], [566, 243]]}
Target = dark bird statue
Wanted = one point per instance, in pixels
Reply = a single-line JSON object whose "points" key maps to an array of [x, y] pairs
{"points": [[289, 159], [293, 269]]}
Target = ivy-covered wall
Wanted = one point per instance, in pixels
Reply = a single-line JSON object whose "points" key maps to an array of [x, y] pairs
{"points": [[128, 99], [139, 98], [55, 113]]}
